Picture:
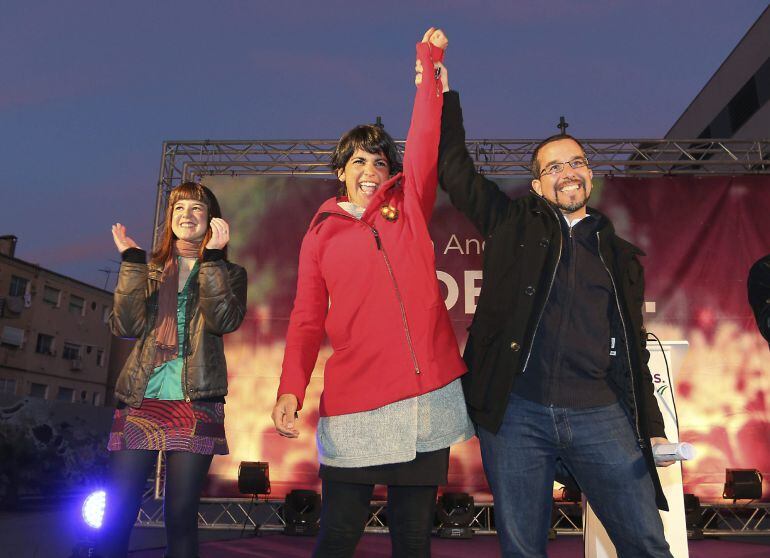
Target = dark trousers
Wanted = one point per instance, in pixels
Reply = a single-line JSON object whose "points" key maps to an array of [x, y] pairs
{"points": [[345, 508], [129, 469]]}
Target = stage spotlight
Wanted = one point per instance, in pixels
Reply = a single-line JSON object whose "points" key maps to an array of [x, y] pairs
{"points": [[455, 512], [92, 513], [254, 477], [570, 494], [693, 516], [570, 491], [302, 511], [742, 484], [93, 509]]}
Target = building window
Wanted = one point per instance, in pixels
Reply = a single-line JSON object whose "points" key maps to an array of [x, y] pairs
{"points": [[8, 385], [77, 305], [51, 296], [38, 390], [12, 337], [44, 344], [65, 394], [99, 357], [70, 351], [18, 286], [106, 313], [97, 399]]}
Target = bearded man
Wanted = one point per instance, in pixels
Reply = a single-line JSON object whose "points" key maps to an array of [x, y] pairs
{"points": [[557, 357]]}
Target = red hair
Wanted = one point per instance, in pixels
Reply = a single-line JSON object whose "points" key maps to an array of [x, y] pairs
{"points": [[186, 191]]}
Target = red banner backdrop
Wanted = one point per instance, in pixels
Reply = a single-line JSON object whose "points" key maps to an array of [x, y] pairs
{"points": [[701, 235]]}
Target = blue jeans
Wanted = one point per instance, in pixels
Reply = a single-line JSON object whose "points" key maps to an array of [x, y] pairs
{"points": [[599, 448]]}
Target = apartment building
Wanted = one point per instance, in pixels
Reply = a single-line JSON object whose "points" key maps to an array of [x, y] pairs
{"points": [[734, 102], [54, 338]]}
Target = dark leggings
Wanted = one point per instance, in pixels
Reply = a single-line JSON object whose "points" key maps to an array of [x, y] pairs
{"points": [[129, 469], [345, 508]]}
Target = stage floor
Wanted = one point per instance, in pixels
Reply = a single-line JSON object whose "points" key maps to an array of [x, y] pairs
{"points": [[378, 546]]}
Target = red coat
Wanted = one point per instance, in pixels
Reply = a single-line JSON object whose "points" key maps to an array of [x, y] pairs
{"points": [[371, 286]]}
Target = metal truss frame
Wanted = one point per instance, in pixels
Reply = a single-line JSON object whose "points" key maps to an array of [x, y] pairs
{"points": [[193, 160], [735, 519], [267, 515], [750, 519]]}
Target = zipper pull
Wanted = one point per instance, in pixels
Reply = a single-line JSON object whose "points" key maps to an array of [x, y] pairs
{"points": [[377, 238]]}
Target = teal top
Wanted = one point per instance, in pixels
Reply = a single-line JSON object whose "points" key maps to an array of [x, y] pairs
{"points": [[166, 381]]}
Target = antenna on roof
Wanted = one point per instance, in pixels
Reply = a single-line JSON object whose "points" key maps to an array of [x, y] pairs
{"points": [[108, 273]]}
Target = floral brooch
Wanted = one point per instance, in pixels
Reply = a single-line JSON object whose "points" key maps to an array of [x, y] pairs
{"points": [[389, 213]]}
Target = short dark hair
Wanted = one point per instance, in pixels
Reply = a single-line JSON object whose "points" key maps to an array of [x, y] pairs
{"points": [[535, 165], [372, 139]]}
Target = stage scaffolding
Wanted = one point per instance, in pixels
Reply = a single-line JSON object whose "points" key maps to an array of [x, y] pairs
{"points": [[715, 520], [193, 160], [263, 514]]}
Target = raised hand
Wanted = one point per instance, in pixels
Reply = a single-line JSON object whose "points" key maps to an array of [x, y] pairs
{"points": [[220, 234], [443, 75], [418, 72], [122, 241], [438, 39]]}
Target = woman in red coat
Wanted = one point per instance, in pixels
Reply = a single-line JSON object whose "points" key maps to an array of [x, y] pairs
{"points": [[392, 402]]}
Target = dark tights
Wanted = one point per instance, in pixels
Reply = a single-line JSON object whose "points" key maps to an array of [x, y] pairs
{"points": [[129, 469], [345, 507]]}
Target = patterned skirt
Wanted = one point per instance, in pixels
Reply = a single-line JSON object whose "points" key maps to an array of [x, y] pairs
{"points": [[195, 427]]}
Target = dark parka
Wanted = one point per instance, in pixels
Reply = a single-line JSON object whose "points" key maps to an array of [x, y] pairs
{"points": [[759, 294], [216, 305], [522, 250]]}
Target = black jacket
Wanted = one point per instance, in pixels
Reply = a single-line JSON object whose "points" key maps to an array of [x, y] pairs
{"points": [[759, 294], [522, 251], [216, 305]]}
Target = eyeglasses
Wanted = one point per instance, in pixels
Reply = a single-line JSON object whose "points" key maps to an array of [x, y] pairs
{"points": [[556, 168]]}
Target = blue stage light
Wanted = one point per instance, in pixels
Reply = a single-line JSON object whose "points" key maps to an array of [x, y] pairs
{"points": [[93, 509]]}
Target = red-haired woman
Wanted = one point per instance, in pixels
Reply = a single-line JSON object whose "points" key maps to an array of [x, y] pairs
{"points": [[171, 390], [392, 402]]}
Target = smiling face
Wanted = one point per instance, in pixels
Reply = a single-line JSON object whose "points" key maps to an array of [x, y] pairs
{"points": [[189, 220], [570, 189], [363, 174]]}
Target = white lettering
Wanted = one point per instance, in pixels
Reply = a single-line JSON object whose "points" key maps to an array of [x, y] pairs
{"points": [[472, 276], [453, 244], [472, 246], [453, 292], [470, 242]]}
